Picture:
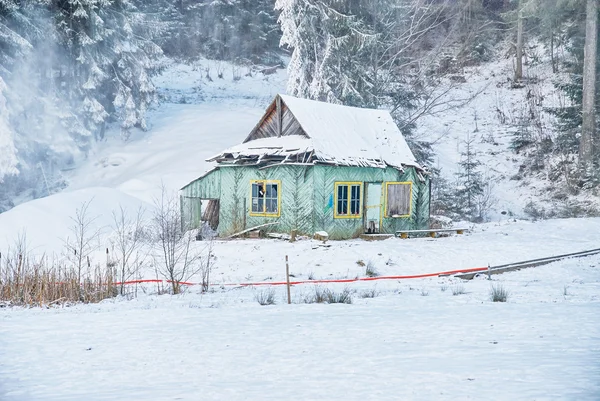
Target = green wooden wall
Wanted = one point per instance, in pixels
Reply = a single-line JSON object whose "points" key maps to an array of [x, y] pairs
{"points": [[325, 178], [307, 194]]}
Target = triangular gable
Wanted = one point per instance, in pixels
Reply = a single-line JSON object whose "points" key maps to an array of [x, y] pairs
{"points": [[277, 121]]}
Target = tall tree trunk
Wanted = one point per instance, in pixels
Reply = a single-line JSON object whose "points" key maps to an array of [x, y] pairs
{"points": [[552, 57], [519, 69], [588, 126]]}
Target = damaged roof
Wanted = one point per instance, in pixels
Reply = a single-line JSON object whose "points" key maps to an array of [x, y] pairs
{"points": [[323, 133]]}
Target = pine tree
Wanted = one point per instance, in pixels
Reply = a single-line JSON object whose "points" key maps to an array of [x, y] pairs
{"points": [[329, 44], [470, 183], [111, 58]]}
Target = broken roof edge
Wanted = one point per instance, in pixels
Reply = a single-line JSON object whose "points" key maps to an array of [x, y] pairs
{"points": [[233, 161]]}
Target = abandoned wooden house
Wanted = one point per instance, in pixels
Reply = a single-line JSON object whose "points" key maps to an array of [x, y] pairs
{"points": [[313, 166]]}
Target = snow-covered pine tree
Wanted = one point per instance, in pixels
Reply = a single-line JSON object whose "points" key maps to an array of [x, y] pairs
{"points": [[136, 58], [111, 57], [329, 45]]}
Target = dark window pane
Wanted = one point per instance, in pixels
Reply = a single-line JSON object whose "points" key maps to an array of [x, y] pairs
{"points": [[342, 206], [255, 207], [271, 205], [355, 207]]}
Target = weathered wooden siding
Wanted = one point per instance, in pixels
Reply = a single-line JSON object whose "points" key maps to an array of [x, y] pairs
{"points": [[269, 125], [206, 187], [326, 176], [296, 199], [307, 198]]}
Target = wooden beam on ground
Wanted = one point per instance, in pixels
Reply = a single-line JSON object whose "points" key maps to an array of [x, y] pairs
{"points": [[431, 232], [527, 263], [251, 229]]}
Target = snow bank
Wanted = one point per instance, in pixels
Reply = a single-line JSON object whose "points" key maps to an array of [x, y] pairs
{"points": [[46, 222]]}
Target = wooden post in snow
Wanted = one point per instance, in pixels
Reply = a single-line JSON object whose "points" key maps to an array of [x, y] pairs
{"points": [[287, 276], [293, 235]]}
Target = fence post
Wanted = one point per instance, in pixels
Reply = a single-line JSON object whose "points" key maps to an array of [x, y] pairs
{"points": [[287, 275]]}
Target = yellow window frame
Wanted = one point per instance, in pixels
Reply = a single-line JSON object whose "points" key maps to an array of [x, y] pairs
{"points": [[385, 210], [360, 205], [265, 214]]}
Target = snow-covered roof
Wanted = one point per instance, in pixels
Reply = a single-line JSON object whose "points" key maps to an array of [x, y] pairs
{"points": [[334, 134]]}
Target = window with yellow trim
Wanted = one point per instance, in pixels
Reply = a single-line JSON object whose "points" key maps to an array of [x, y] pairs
{"points": [[398, 199], [265, 198], [348, 199]]}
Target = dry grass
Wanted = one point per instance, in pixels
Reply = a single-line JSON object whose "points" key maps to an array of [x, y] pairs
{"points": [[498, 293], [27, 281], [323, 295], [265, 297]]}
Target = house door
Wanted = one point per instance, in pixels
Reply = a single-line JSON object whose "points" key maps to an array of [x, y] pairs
{"points": [[372, 207]]}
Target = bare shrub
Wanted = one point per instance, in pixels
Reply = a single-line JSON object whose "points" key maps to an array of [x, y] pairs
{"points": [[444, 287], [206, 266], [175, 258], [344, 297], [371, 293], [498, 293], [424, 292], [371, 270], [458, 290], [320, 295], [84, 238], [324, 295], [265, 297], [127, 241]]}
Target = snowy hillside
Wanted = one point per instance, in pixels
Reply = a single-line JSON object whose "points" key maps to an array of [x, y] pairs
{"points": [[196, 119], [492, 117]]}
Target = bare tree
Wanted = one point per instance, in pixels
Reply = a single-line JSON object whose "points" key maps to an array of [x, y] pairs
{"points": [[588, 126], [81, 245], [176, 259], [206, 266], [128, 240]]}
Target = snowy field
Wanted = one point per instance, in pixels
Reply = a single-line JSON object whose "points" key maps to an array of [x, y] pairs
{"points": [[414, 340]]}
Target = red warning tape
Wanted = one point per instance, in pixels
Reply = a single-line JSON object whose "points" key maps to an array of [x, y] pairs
{"points": [[349, 280]]}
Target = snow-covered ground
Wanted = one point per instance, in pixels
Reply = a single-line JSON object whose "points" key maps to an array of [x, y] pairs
{"points": [[414, 340]]}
